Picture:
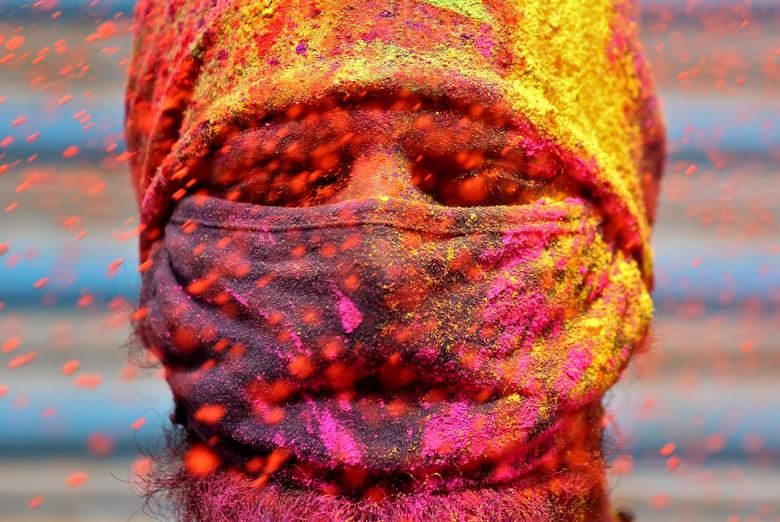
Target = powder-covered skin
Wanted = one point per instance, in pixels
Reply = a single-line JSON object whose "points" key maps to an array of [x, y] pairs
{"points": [[365, 347]]}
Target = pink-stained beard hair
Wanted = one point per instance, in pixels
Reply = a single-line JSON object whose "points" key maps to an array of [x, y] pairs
{"points": [[227, 495]]}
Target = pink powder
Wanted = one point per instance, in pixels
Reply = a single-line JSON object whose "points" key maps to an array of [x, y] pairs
{"points": [[579, 360], [237, 297], [444, 431], [485, 44], [338, 440], [349, 314]]}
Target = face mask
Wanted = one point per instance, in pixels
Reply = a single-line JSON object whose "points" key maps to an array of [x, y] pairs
{"points": [[382, 340]]}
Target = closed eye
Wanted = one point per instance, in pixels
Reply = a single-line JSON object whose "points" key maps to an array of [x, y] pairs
{"points": [[277, 167], [475, 178], [306, 157]]}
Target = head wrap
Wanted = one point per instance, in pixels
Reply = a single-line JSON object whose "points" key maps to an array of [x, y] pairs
{"points": [[570, 75], [477, 337]]}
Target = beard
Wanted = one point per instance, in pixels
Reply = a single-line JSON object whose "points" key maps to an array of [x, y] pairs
{"points": [[229, 495]]}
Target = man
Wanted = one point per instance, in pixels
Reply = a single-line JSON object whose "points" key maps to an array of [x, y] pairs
{"points": [[394, 252]]}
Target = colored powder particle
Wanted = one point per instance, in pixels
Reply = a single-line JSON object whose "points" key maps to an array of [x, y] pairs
{"points": [[21, 360], [106, 30], [140, 314], [138, 423], [210, 413], [14, 42], [70, 367], [114, 265], [100, 444], [70, 152], [659, 500], [75, 479], [11, 344], [142, 466], [87, 380], [201, 461], [277, 457], [302, 367], [124, 156]]}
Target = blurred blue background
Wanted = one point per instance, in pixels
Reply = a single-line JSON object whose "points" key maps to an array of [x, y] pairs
{"points": [[696, 432]]}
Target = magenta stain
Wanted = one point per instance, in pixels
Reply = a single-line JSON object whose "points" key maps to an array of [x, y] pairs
{"points": [[579, 360], [349, 314], [443, 431], [485, 45], [237, 297], [337, 440]]}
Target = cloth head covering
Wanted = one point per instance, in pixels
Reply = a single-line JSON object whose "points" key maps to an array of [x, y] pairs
{"points": [[520, 317], [573, 76]]}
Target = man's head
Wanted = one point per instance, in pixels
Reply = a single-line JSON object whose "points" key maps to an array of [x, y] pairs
{"points": [[393, 248]]}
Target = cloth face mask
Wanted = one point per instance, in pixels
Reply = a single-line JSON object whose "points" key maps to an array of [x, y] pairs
{"points": [[383, 341]]}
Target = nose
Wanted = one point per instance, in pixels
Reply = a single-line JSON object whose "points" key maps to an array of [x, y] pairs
{"points": [[381, 171]]}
